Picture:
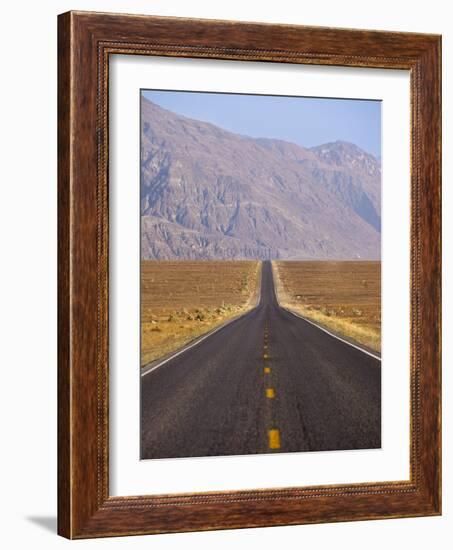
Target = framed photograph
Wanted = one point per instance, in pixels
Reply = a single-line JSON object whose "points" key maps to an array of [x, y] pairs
{"points": [[249, 275]]}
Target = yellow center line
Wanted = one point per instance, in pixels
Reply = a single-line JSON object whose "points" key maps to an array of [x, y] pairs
{"points": [[274, 439], [273, 434]]}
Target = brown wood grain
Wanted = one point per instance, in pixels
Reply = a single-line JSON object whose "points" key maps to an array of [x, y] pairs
{"points": [[85, 42], [64, 425]]}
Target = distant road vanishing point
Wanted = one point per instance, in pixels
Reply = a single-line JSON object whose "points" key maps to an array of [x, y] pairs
{"points": [[266, 382]]}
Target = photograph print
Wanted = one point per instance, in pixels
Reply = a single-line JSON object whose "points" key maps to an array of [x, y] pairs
{"points": [[260, 274]]}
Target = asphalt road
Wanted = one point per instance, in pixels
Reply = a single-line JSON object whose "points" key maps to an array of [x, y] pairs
{"points": [[267, 382]]}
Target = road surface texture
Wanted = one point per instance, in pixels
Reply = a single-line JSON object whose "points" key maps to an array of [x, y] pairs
{"points": [[267, 382]]}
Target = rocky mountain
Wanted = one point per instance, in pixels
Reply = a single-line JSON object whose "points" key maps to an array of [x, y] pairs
{"points": [[211, 194]]}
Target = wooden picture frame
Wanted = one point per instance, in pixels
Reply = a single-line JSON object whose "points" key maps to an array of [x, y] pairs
{"points": [[85, 41]]}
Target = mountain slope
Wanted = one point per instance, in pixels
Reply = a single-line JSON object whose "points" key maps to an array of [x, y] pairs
{"points": [[207, 193]]}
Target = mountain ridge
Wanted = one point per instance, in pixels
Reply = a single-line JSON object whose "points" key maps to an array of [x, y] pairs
{"points": [[207, 193]]}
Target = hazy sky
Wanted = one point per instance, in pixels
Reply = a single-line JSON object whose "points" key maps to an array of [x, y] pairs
{"points": [[303, 120]]}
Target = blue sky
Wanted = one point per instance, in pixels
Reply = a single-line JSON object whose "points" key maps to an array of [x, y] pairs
{"points": [[302, 120]]}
